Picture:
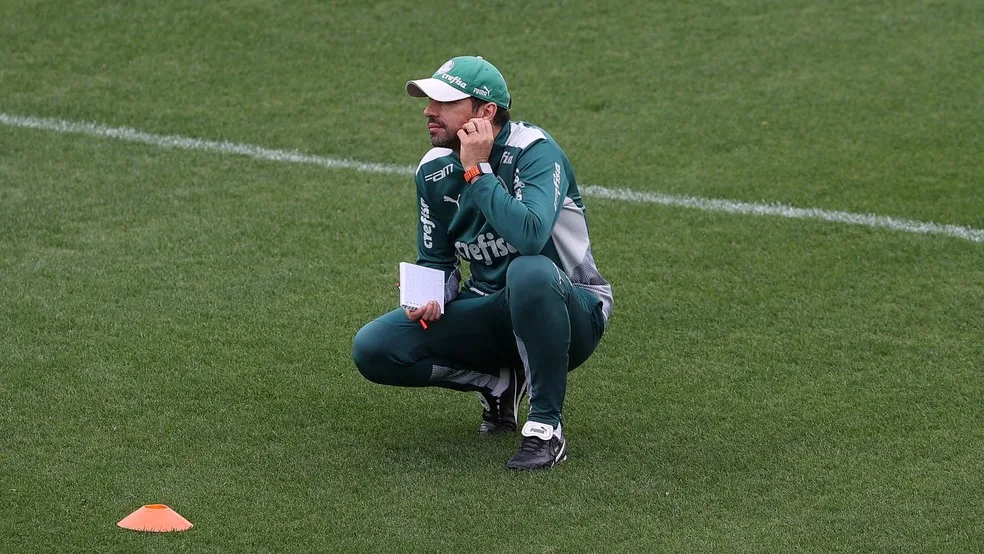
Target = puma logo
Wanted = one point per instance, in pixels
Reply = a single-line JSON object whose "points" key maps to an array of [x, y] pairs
{"points": [[453, 200]]}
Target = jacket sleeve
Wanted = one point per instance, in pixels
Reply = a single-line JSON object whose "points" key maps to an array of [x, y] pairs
{"points": [[434, 246], [526, 219]]}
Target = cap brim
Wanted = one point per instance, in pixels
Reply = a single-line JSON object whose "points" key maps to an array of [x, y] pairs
{"points": [[434, 89]]}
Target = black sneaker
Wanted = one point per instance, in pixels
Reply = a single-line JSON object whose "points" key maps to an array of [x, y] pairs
{"points": [[542, 448], [499, 406]]}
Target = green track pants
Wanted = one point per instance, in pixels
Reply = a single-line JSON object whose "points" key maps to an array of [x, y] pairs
{"points": [[539, 320]]}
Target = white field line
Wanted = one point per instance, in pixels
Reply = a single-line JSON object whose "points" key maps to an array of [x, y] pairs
{"points": [[707, 204], [790, 212], [172, 141]]}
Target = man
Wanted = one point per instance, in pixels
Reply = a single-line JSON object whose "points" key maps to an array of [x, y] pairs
{"points": [[502, 196]]}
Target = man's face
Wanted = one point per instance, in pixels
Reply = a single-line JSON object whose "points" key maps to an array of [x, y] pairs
{"points": [[444, 119]]}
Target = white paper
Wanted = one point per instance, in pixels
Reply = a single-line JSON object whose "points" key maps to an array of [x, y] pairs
{"points": [[419, 285]]}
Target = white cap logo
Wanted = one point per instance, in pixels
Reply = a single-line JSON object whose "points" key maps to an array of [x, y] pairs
{"points": [[446, 67]]}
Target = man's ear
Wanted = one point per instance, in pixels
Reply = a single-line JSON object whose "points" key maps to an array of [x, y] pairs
{"points": [[488, 111]]}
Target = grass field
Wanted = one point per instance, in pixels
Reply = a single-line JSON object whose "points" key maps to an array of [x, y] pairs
{"points": [[176, 323]]}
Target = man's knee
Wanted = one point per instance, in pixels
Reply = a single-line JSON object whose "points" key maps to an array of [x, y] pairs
{"points": [[371, 352], [530, 277]]}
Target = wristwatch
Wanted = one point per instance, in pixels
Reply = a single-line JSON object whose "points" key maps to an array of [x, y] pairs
{"points": [[476, 171]]}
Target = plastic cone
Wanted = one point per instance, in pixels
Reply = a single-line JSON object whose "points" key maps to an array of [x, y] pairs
{"points": [[155, 517]]}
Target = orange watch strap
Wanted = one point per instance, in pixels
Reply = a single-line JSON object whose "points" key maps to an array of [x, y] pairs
{"points": [[472, 172]]}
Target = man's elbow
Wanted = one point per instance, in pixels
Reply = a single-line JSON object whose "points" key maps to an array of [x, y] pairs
{"points": [[530, 246]]}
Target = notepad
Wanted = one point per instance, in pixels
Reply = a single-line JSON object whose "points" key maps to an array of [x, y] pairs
{"points": [[419, 285]]}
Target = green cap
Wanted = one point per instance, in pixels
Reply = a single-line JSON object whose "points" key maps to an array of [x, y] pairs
{"points": [[460, 78]]}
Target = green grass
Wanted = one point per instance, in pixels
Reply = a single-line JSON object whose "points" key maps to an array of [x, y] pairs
{"points": [[176, 326]]}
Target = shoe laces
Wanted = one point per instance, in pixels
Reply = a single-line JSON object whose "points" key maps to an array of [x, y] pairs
{"points": [[531, 445], [489, 404]]}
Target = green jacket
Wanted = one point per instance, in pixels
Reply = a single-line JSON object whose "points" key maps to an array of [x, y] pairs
{"points": [[530, 206]]}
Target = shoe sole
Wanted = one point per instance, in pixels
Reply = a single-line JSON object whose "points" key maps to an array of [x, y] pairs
{"points": [[484, 430]]}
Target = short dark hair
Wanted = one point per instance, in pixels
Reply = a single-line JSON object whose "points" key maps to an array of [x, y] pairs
{"points": [[501, 114]]}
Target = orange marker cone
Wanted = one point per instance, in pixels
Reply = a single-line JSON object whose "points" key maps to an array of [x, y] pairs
{"points": [[155, 517]]}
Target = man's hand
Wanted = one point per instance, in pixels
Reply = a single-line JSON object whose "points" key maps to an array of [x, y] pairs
{"points": [[428, 312], [476, 138]]}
